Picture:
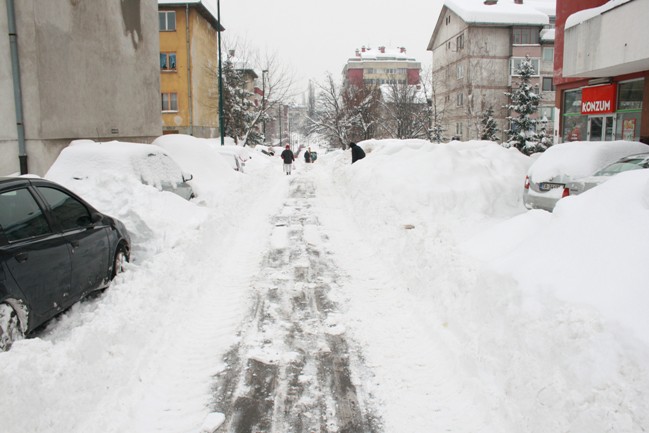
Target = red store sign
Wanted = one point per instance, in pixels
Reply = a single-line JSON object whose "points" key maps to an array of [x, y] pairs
{"points": [[598, 99]]}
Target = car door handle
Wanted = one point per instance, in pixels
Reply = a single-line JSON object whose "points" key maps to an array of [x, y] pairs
{"points": [[75, 244], [21, 257]]}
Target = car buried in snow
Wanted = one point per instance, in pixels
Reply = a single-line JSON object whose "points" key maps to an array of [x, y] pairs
{"points": [[55, 249], [627, 163], [562, 163]]}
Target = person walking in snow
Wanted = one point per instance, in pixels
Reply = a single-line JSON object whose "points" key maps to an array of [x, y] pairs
{"points": [[357, 152], [307, 156], [288, 158]]}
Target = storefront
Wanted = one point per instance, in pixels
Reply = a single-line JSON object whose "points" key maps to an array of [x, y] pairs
{"points": [[603, 112]]}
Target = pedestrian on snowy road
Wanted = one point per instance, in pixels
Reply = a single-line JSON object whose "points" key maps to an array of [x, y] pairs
{"points": [[307, 156], [288, 158], [357, 152]]}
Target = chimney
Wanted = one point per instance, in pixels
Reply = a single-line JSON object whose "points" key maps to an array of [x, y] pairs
{"points": [[363, 49], [358, 53], [518, 2], [382, 50], [490, 2], [402, 50]]}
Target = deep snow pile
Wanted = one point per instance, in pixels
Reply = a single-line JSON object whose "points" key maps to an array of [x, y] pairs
{"points": [[468, 303], [474, 315]]}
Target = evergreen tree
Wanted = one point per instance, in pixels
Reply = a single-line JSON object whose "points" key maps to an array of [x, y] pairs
{"points": [[524, 101], [489, 127]]}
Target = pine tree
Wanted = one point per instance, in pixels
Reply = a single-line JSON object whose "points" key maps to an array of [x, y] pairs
{"points": [[489, 127], [524, 101]]}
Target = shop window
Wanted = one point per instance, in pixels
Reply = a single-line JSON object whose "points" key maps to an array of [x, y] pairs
{"points": [[572, 102], [460, 99], [630, 95], [169, 102], [167, 21], [168, 61], [627, 126]]}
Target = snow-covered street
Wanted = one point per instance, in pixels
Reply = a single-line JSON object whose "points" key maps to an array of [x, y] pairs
{"points": [[409, 292]]}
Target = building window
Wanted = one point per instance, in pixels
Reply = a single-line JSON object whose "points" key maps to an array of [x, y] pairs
{"points": [[525, 35], [167, 21], [168, 61], [169, 102], [460, 71], [546, 113], [460, 99], [458, 129], [548, 54], [548, 84], [448, 20], [516, 64], [448, 45], [459, 42]]}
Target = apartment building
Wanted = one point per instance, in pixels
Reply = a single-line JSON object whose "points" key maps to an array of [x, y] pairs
{"points": [[381, 66], [602, 73], [71, 70], [477, 48], [189, 92]]}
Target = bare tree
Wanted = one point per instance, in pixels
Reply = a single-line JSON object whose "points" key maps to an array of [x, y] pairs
{"points": [[332, 118], [405, 111], [276, 83]]}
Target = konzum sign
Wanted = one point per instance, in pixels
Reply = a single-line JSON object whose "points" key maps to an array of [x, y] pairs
{"points": [[598, 99]]}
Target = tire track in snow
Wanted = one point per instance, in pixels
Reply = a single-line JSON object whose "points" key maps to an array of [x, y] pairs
{"points": [[293, 369]]}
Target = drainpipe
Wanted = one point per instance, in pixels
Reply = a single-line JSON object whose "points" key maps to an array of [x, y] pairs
{"points": [[189, 73], [15, 66]]}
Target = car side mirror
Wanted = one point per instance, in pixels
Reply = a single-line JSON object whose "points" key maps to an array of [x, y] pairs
{"points": [[187, 177]]}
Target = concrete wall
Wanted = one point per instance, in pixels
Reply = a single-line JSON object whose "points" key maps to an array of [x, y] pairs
{"points": [[89, 70], [598, 48]]}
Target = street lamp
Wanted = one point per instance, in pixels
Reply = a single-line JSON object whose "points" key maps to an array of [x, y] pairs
{"points": [[263, 101], [221, 126]]}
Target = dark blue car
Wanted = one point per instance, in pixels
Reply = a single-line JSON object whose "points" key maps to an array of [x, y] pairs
{"points": [[54, 249]]}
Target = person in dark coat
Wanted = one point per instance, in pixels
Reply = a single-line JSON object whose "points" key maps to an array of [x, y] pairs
{"points": [[357, 152], [307, 156], [288, 158]]}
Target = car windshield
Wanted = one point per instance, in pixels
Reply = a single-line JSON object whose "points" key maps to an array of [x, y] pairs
{"points": [[620, 166]]}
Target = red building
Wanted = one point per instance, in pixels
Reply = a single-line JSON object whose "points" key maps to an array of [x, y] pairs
{"points": [[602, 72], [381, 66]]}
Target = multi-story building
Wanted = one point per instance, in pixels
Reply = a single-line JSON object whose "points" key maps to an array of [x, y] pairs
{"points": [[602, 72], [189, 89], [477, 48], [382, 66], [72, 70]]}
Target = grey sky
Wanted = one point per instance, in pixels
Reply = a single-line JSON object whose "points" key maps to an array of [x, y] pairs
{"points": [[318, 36]]}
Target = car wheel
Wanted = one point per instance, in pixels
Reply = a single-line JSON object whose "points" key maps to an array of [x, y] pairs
{"points": [[121, 258], [10, 329]]}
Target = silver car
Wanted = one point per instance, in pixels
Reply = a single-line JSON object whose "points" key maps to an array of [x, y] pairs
{"points": [[631, 162], [563, 163]]}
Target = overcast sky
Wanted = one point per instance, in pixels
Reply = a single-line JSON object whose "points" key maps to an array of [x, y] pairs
{"points": [[318, 36]]}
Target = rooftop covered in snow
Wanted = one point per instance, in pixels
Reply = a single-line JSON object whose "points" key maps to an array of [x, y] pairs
{"points": [[503, 12]]}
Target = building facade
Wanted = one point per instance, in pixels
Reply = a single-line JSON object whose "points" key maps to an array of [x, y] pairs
{"points": [[189, 92], [602, 73], [381, 66], [476, 50], [85, 69]]}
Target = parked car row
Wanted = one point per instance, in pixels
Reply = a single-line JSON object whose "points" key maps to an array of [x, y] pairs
{"points": [[55, 248], [572, 163]]}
